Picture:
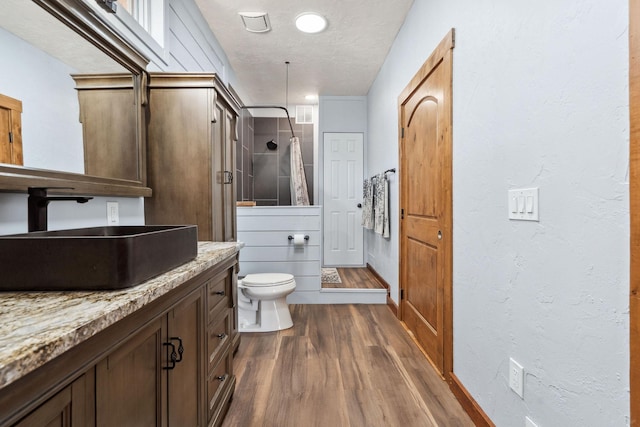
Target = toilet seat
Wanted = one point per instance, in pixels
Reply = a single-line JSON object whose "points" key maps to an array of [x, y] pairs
{"points": [[267, 279]]}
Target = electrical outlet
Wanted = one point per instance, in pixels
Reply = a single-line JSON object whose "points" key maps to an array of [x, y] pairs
{"points": [[516, 377], [113, 216], [529, 423]]}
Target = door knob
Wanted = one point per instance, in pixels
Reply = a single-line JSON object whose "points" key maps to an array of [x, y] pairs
{"points": [[359, 205]]}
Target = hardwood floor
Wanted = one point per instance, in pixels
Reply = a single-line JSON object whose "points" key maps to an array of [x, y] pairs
{"points": [[342, 366], [355, 278]]}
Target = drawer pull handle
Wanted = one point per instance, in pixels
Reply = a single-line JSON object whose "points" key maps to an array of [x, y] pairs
{"points": [[173, 357], [221, 378], [221, 336], [221, 293], [180, 348]]}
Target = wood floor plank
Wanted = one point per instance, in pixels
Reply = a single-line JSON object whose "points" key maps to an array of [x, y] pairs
{"points": [[355, 278], [342, 366]]}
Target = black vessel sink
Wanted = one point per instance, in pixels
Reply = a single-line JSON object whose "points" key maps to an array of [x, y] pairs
{"points": [[93, 258]]}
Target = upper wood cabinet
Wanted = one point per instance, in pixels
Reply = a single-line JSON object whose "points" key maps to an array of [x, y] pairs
{"points": [[191, 154], [112, 112]]}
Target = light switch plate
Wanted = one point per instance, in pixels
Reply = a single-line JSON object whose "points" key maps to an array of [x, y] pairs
{"points": [[516, 377], [523, 204], [113, 214]]}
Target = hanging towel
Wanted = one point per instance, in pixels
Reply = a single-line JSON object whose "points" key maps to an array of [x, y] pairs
{"points": [[299, 192], [385, 217], [367, 204], [379, 203]]}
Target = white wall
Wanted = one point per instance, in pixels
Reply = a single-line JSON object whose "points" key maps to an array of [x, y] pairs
{"points": [[540, 98], [51, 131]]}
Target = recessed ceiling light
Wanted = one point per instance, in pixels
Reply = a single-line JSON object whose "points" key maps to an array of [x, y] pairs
{"points": [[311, 97], [310, 22]]}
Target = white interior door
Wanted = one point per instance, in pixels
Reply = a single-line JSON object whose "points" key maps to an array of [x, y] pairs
{"points": [[342, 212]]}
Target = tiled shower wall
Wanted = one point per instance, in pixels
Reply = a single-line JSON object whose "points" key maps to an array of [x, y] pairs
{"points": [[271, 169]]}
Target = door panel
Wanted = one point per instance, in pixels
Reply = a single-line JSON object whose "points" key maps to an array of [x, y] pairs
{"points": [[129, 382], [425, 197], [185, 381], [343, 235]]}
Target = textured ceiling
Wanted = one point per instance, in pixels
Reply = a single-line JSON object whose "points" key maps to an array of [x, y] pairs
{"points": [[52, 36], [342, 60]]}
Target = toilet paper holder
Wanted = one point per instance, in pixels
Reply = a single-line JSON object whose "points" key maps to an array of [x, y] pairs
{"points": [[306, 237]]}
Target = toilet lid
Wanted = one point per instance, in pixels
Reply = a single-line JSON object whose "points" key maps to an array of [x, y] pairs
{"points": [[267, 279]]}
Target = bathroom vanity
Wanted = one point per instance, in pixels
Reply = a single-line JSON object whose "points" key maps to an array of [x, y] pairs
{"points": [[158, 353]]}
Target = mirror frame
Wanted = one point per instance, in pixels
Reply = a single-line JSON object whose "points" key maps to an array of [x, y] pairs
{"points": [[87, 22]]}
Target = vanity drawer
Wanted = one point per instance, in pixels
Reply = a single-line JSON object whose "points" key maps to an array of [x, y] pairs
{"points": [[219, 379], [218, 337], [218, 295]]}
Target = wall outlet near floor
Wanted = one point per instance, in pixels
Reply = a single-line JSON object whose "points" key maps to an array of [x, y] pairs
{"points": [[529, 423], [113, 214], [516, 377]]}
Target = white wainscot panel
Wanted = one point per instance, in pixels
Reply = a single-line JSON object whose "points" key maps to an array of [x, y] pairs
{"points": [[297, 268], [273, 223], [280, 254], [275, 238]]}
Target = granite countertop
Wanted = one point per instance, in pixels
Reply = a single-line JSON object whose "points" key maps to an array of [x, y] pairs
{"points": [[35, 327]]}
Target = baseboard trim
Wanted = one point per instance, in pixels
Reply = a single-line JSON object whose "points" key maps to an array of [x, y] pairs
{"points": [[392, 305], [471, 407]]}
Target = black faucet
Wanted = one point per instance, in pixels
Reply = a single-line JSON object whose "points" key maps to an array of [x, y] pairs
{"points": [[38, 202]]}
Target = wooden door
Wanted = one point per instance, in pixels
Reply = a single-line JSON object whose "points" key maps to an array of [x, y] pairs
{"points": [[425, 202], [343, 235], [185, 381], [10, 130], [130, 382]]}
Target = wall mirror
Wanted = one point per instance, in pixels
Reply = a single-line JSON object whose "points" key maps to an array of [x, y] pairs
{"points": [[82, 94]]}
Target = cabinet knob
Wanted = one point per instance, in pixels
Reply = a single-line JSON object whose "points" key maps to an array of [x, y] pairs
{"points": [[221, 336], [221, 293], [221, 378]]}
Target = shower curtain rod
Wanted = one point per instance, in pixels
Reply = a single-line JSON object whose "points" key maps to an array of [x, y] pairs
{"points": [[247, 107]]}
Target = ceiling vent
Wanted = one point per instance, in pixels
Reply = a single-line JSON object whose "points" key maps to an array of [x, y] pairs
{"points": [[255, 22]]}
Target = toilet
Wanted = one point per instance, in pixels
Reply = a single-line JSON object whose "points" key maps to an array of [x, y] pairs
{"points": [[262, 302]]}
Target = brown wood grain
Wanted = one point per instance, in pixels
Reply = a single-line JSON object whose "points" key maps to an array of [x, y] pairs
{"points": [[355, 278], [425, 153], [340, 365], [634, 199], [191, 131]]}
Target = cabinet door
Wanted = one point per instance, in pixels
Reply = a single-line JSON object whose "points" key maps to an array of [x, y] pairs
{"points": [[186, 380], [229, 189], [130, 382], [65, 409], [223, 167]]}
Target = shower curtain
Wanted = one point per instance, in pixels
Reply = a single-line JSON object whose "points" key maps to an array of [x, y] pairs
{"points": [[299, 193]]}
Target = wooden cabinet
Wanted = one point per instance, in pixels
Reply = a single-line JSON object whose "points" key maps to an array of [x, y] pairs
{"points": [[129, 385], [156, 377], [67, 408], [112, 114], [191, 154], [167, 364]]}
